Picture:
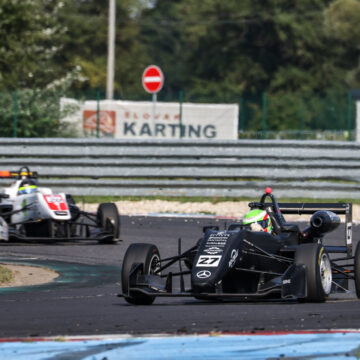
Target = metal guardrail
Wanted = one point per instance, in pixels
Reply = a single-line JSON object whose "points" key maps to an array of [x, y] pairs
{"points": [[189, 168]]}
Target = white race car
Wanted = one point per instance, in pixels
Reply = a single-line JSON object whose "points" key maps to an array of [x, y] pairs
{"points": [[30, 212]]}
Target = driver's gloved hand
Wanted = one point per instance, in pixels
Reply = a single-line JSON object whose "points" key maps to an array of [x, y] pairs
{"points": [[256, 227]]}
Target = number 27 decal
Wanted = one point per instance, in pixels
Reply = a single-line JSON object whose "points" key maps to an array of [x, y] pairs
{"points": [[209, 261]]}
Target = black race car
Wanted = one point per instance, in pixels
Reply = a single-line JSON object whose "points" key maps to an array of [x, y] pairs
{"points": [[240, 264]]}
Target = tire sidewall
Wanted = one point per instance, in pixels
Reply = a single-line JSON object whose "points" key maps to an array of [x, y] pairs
{"points": [[109, 211], [310, 255], [137, 253]]}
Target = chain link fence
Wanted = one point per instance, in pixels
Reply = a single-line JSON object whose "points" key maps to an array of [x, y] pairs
{"points": [[316, 116]]}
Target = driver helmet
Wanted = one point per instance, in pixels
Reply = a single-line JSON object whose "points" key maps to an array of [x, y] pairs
{"points": [[261, 217], [27, 187]]}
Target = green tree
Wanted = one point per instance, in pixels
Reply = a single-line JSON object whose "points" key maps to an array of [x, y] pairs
{"points": [[85, 44], [29, 40], [162, 32], [260, 45], [223, 50], [231, 47], [342, 23], [37, 110]]}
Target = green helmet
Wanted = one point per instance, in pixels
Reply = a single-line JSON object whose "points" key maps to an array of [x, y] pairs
{"points": [[261, 217]]}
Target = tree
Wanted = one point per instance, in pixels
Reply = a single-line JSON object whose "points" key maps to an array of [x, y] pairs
{"points": [[37, 111], [31, 81], [85, 44], [29, 39], [342, 22], [226, 48]]}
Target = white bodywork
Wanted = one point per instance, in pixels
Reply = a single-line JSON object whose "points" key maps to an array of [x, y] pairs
{"points": [[4, 230], [42, 204]]}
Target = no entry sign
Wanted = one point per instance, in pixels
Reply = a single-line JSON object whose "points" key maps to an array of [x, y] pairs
{"points": [[153, 79]]}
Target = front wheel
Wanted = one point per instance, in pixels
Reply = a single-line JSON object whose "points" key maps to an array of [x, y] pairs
{"points": [[357, 269], [318, 271], [147, 255], [109, 221]]}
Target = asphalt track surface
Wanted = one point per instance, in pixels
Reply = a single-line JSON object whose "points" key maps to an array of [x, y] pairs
{"points": [[83, 300]]}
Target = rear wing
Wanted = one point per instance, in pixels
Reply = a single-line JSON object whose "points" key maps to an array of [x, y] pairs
{"points": [[310, 208], [337, 208], [18, 174]]}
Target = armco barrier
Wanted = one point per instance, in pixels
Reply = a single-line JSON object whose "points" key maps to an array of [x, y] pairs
{"points": [[189, 168]]}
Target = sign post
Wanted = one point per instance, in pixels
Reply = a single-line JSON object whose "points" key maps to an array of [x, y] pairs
{"points": [[153, 81]]}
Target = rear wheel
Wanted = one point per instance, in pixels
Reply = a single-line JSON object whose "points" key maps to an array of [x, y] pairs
{"points": [[318, 271], [109, 221], [146, 254], [357, 270]]}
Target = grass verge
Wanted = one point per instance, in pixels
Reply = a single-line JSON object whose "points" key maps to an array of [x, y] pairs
{"points": [[6, 275]]}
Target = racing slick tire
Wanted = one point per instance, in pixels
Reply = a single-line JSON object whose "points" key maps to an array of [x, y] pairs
{"points": [[317, 269], [149, 256], [108, 217], [357, 269]]}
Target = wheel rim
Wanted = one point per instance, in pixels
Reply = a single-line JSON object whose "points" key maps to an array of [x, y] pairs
{"points": [[154, 264], [325, 273]]}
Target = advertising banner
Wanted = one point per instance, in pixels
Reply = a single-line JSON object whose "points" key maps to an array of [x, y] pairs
{"points": [[134, 120]]}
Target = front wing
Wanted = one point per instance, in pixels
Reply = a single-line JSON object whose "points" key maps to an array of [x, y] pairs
{"points": [[84, 231], [99, 237], [290, 286]]}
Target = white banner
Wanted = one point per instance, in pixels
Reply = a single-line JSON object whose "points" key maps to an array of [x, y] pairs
{"points": [[134, 119]]}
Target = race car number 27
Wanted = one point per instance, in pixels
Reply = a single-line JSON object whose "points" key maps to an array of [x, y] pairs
{"points": [[205, 260]]}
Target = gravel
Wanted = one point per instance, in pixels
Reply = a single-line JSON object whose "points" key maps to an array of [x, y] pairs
{"points": [[235, 209]]}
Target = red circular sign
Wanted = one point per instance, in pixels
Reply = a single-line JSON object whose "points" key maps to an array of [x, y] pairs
{"points": [[153, 79]]}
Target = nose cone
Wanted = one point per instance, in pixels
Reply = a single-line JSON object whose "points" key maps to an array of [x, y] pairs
{"points": [[202, 284]]}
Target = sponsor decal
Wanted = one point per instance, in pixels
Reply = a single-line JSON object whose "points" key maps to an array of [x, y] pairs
{"points": [[233, 257], [56, 202], [219, 234], [61, 213], [286, 281], [136, 115], [320, 253], [203, 274], [213, 250], [134, 119], [218, 239], [23, 204], [107, 121], [209, 260], [134, 129], [348, 233]]}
